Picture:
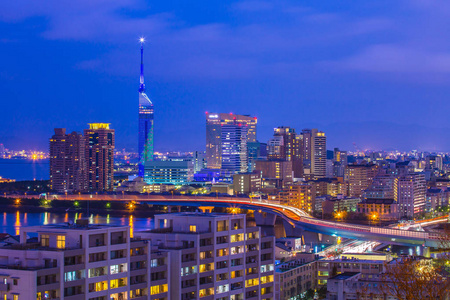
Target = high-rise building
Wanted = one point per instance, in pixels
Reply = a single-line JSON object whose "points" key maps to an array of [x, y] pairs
{"points": [[67, 161], [99, 142], [314, 153], [410, 193], [145, 146], [286, 145], [226, 140]]}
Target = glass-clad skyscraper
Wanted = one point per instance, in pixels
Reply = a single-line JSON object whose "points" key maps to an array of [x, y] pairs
{"points": [[145, 121]]}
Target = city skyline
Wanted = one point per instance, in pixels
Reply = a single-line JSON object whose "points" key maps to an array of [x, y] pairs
{"points": [[341, 80]]}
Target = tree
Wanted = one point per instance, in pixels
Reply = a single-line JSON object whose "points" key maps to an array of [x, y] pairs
{"points": [[413, 278]]}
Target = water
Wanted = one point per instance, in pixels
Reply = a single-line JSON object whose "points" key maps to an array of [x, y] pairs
{"points": [[12, 222], [24, 169]]}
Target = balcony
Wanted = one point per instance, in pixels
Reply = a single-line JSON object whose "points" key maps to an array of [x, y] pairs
{"points": [[4, 287]]}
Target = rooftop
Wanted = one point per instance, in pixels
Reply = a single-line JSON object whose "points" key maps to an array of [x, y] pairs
{"points": [[344, 276]]}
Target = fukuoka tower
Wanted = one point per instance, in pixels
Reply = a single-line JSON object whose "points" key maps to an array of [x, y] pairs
{"points": [[145, 121]]}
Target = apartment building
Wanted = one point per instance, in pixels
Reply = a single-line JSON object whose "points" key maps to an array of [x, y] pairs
{"points": [[82, 261], [215, 256], [365, 263], [293, 278]]}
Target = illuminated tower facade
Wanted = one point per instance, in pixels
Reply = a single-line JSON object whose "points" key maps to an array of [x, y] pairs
{"points": [[145, 146]]}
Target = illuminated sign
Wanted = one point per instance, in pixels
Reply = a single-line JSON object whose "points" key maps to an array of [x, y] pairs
{"points": [[213, 116]]}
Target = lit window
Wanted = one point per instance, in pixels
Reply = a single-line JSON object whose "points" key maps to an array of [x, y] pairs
{"points": [[193, 228], [45, 240], [61, 242]]}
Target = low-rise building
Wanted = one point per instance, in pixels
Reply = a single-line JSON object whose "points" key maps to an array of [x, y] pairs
{"points": [[379, 209], [366, 263], [293, 278]]}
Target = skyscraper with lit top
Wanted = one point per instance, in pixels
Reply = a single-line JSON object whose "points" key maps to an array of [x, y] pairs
{"points": [[145, 147]]}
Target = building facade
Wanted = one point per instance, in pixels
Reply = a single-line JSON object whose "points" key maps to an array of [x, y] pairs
{"points": [[246, 183], [314, 153], [234, 136], [410, 194], [176, 172], [67, 161], [82, 261], [359, 178], [99, 141], [215, 256]]}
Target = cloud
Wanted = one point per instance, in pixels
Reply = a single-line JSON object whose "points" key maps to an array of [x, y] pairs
{"points": [[396, 59]]}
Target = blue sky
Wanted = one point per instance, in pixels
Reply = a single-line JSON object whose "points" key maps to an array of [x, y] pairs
{"points": [[374, 73]]}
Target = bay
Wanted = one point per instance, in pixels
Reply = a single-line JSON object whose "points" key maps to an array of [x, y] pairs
{"points": [[24, 169], [12, 222]]}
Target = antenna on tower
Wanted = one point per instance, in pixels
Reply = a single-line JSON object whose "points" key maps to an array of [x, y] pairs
{"points": [[141, 79]]}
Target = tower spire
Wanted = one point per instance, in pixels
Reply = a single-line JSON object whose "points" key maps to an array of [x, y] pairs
{"points": [[141, 79]]}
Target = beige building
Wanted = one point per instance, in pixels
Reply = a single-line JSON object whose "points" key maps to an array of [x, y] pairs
{"points": [[293, 278], [359, 178], [302, 196]]}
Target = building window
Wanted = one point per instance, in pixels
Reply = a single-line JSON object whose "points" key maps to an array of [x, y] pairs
{"points": [[15, 281], [15, 297], [45, 240], [193, 228], [61, 242]]}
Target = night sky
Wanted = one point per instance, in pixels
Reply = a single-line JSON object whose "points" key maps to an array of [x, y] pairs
{"points": [[376, 73]]}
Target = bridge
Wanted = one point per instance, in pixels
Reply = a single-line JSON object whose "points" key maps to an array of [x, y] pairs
{"points": [[295, 217]]}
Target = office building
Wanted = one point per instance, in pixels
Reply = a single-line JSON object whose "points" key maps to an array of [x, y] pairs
{"points": [[199, 161], [145, 146], [314, 153], [278, 171], [286, 145], [215, 256], [234, 148], [247, 183], [82, 261], [99, 142], [171, 171], [67, 161], [410, 194], [239, 129]]}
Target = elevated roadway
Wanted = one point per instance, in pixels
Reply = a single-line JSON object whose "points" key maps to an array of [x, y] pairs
{"points": [[294, 216]]}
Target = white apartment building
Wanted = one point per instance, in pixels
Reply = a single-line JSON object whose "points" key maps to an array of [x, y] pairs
{"points": [[82, 261], [215, 256]]}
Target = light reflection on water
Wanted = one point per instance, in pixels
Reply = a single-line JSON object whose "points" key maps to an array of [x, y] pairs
{"points": [[12, 222]]}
